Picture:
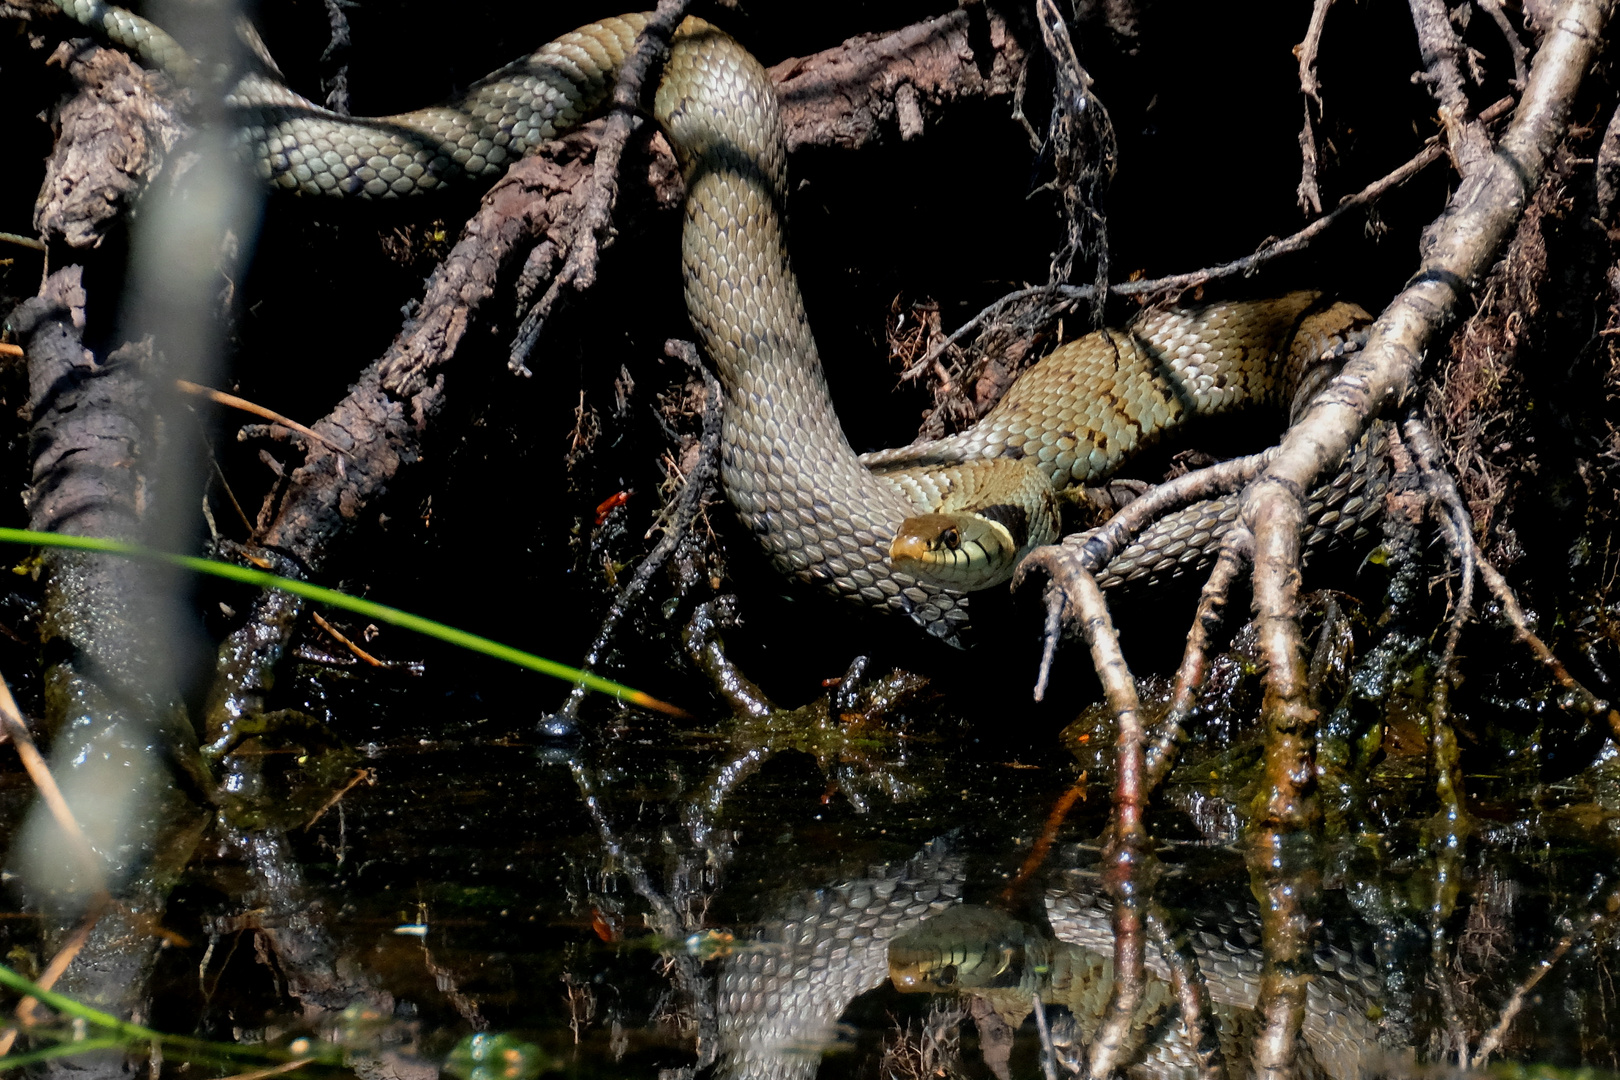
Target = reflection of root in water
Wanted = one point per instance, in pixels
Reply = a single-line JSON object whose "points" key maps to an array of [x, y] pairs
{"points": [[848, 731]]}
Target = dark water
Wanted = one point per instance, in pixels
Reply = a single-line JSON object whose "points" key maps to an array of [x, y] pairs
{"points": [[486, 880]]}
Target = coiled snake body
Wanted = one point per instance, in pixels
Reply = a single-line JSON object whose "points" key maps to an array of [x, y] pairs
{"points": [[823, 514]]}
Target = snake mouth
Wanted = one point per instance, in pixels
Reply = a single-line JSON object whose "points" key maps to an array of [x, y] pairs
{"points": [[910, 548]]}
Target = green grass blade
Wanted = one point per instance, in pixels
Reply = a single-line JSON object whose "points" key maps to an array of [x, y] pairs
{"points": [[77, 1009], [332, 598], [81, 1046]]}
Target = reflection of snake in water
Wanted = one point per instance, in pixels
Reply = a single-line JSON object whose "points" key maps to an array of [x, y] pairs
{"points": [[780, 997], [824, 515]]}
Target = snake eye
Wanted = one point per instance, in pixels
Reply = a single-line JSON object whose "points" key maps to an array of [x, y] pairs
{"points": [[950, 538], [945, 976]]}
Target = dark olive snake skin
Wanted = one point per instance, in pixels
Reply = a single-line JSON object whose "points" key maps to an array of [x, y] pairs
{"points": [[822, 514]]}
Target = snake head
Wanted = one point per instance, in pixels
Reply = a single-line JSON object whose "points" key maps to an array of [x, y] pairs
{"points": [[961, 551]]}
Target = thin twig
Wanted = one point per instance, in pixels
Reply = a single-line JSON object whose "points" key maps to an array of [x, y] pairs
{"points": [[1237, 548], [1456, 531], [273, 1070], [361, 776], [1043, 843], [59, 964], [22, 241], [1515, 44], [677, 520], [1310, 196], [1081, 140], [1243, 267], [40, 774], [220, 397], [1444, 54], [343, 640], [1493, 1038], [1048, 1054]]}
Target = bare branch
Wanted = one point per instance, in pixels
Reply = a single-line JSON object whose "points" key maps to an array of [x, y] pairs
{"points": [[1242, 267], [593, 227], [1515, 45], [1310, 198], [1458, 249], [1443, 55], [679, 512]]}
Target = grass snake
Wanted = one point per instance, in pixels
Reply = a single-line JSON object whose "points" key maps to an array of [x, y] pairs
{"points": [[823, 514]]}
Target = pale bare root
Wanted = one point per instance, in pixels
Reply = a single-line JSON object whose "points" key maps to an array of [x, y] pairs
{"points": [[1457, 251]]}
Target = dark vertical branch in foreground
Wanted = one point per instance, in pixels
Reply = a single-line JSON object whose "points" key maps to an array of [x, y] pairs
{"points": [[1457, 249], [116, 731]]}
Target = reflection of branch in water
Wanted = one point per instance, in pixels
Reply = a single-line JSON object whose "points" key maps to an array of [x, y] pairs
{"points": [[673, 920], [1191, 989], [1589, 925], [844, 731]]}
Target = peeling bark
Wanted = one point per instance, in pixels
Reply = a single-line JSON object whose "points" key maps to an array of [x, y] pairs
{"points": [[112, 139]]}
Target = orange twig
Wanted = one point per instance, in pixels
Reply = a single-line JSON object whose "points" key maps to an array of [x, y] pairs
{"points": [[345, 642], [1043, 844], [53, 971], [361, 776]]}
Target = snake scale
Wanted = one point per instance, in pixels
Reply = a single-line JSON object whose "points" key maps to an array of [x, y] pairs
{"points": [[824, 515]]}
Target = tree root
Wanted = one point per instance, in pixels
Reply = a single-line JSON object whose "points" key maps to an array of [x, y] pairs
{"points": [[1310, 90], [1459, 247], [591, 229]]}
